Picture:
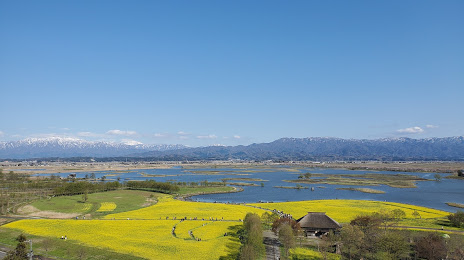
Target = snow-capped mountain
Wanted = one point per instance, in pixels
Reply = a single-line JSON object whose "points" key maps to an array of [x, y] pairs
{"points": [[73, 147], [326, 148], [313, 148]]}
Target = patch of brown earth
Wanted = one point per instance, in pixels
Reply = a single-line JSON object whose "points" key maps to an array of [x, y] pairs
{"points": [[32, 211], [28, 209]]}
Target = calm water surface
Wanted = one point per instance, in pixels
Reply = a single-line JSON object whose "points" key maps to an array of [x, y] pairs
{"points": [[431, 194]]}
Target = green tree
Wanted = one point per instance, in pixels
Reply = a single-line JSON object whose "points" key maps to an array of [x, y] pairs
{"points": [[385, 217], [457, 219], [366, 222], [85, 196], [286, 238], [437, 177], [20, 252], [247, 252], [460, 173], [352, 239], [398, 214], [253, 247], [393, 244], [268, 218]]}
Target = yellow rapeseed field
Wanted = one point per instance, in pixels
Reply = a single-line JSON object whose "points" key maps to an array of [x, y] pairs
{"points": [[172, 208], [147, 233], [183, 228], [82, 207], [151, 239], [345, 210], [107, 206], [306, 253]]}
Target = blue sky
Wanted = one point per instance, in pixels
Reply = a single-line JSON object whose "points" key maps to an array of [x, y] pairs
{"points": [[231, 72]]}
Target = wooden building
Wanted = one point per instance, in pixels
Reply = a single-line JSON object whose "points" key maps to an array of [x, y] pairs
{"points": [[317, 224]]}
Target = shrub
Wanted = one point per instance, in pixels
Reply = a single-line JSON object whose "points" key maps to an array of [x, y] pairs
{"points": [[457, 219]]}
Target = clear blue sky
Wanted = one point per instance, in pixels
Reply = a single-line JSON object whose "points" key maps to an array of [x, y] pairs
{"points": [[231, 72]]}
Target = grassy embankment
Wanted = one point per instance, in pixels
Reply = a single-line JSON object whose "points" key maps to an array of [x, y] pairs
{"points": [[125, 200]]}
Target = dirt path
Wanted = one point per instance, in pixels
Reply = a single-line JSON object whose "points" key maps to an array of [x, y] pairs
{"points": [[272, 245], [432, 229]]}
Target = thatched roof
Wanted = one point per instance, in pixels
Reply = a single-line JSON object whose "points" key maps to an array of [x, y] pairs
{"points": [[318, 220]]}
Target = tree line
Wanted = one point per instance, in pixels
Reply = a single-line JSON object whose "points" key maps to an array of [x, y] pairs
{"points": [[368, 237], [164, 187], [81, 187]]}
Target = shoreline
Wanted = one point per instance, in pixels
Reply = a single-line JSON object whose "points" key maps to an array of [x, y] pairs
{"points": [[68, 167], [188, 196]]}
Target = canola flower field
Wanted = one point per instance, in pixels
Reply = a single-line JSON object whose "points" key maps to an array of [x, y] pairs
{"points": [[344, 211], [308, 254], [147, 233], [107, 206], [174, 229], [82, 207], [151, 239], [168, 207]]}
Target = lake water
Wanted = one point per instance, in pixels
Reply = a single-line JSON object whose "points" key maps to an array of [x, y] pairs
{"points": [[431, 194]]}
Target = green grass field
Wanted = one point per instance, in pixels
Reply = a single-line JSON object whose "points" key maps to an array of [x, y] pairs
{"points": [[125, 200]]}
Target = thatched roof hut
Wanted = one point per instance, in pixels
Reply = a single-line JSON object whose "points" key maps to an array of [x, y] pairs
{"points": [[318, 223]]}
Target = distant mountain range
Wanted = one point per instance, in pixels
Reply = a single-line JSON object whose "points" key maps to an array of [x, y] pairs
{"points": [[288, 149], [285, 149], [72, 147]]}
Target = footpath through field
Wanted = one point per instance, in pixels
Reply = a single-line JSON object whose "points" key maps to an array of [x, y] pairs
{"points": [[432, 229], [272, 245]]}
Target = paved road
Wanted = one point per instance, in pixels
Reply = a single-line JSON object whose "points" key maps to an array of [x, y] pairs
{"points": [[272, 245]]}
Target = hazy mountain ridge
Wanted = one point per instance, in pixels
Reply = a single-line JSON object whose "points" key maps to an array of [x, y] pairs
{"points": [[313, 148], [449, 148], [73, 147]]}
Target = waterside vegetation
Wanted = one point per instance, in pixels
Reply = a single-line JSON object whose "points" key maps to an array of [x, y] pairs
{"points": [[368, 179]]}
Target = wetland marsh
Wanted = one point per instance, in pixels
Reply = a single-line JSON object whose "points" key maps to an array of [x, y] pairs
{"points": [[264, 184]]}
